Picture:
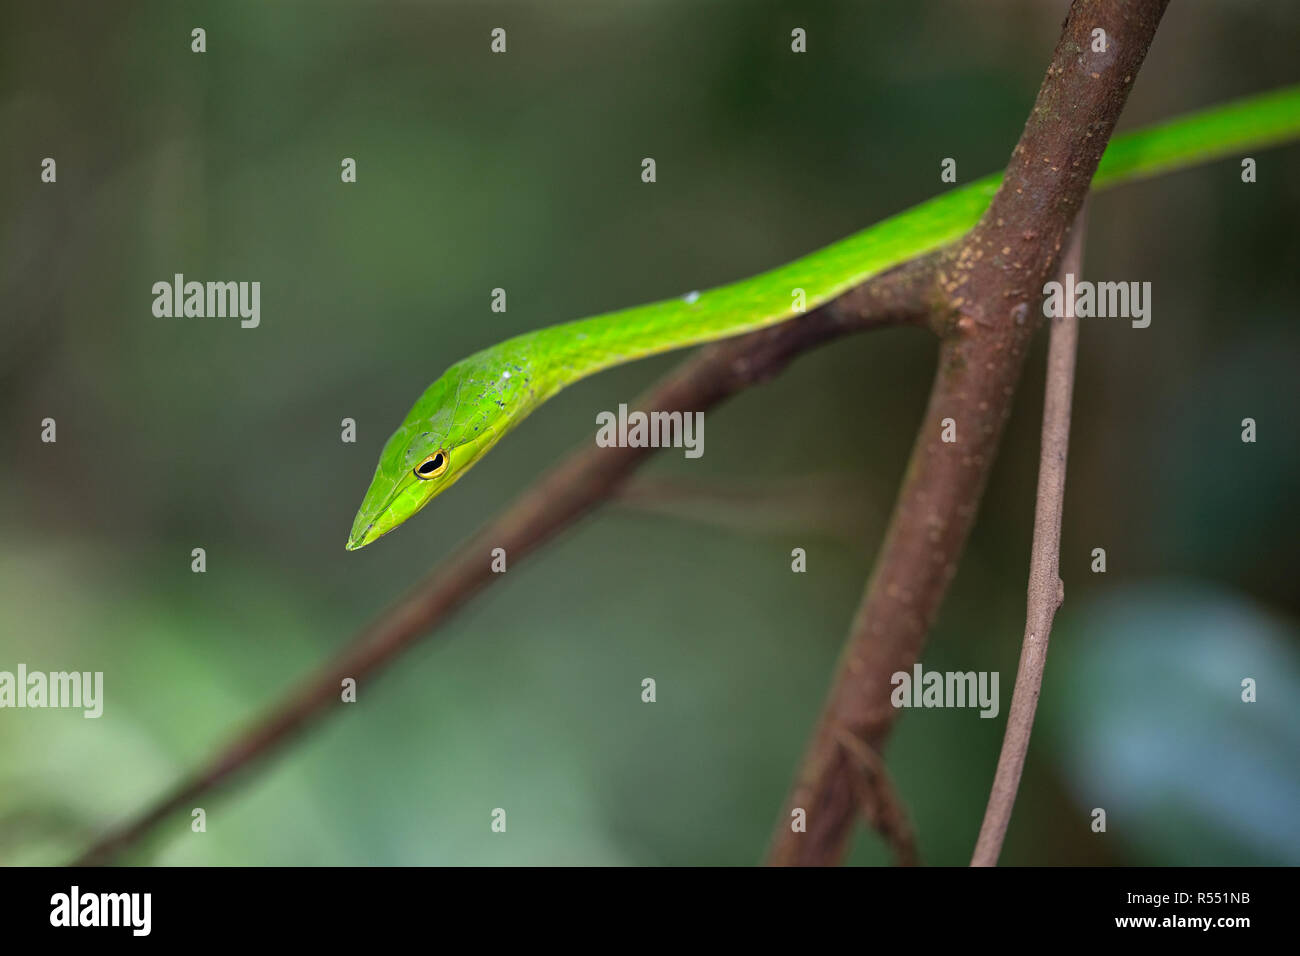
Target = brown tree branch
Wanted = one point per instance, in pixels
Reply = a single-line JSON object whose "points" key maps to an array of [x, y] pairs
{"points": [[558, 499], [879, 801], [992, 283], [1046, 590]]}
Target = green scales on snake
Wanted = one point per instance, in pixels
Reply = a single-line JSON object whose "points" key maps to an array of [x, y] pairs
{"points": [[479, 399]]}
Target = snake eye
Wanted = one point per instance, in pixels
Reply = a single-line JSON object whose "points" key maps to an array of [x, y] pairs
{"points": [[432, 467]]}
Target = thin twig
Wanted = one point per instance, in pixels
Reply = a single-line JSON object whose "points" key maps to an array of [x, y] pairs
{"points": [[842, 506], [992, 283], [1046, 589], [554, 502], [880, 802]]}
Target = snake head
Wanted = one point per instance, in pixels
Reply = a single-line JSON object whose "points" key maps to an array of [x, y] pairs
{"points": [[454, 424]]}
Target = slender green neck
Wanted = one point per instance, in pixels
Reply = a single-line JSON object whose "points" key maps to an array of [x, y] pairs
{"points": [[575, 350]]}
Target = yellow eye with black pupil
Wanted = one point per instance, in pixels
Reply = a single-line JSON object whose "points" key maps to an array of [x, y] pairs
{"points": [[432, 467]]}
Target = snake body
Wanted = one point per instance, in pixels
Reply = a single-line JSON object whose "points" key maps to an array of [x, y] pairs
{"points": [[479, 399]]}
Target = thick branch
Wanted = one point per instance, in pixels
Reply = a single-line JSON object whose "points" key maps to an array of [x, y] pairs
{"points": [[992, 283], [1046, 590], [555, 501]]}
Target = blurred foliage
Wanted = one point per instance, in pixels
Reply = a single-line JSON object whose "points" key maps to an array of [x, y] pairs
{"points": [[521, 171], [1179, 762]]}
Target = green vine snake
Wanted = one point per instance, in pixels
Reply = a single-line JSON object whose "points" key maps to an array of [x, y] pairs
{"points": [[481, 398]]}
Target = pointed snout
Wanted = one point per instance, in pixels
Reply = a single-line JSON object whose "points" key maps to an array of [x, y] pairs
{"points": [[362, 533], [367, 527]]}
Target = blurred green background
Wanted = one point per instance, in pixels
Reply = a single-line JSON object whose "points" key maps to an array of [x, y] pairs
{"points": [[522, 171]]}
